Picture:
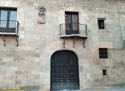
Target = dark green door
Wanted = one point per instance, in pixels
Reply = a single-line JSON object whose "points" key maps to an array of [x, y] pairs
{"points": [[64, 71]]}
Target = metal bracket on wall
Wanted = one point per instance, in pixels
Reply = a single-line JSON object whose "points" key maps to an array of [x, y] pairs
{"points": [[4, 40], [64, 43], [17, 40], [84, 43], [74, 39]]}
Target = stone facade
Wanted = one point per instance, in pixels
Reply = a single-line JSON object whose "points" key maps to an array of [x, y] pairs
{"points": [[28, 65]]}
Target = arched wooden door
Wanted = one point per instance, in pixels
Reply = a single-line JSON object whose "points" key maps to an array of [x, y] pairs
{"points": [[64, 71]]}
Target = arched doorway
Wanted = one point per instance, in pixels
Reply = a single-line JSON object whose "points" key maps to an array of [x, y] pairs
{"points": [[64, 71]]}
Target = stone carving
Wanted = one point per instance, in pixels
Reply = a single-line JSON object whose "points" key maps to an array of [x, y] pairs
{"points": [[41, 15], [42, 11]]}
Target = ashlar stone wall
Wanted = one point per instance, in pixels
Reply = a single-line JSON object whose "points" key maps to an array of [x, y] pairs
{"points": [[28, 65]]}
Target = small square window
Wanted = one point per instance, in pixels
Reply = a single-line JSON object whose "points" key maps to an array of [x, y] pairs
{"points": [[104, 72], [103, 53], [101, 23]]}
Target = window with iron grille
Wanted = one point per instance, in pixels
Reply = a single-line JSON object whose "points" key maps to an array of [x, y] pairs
{"points": [[101, 23], [103, 53]]}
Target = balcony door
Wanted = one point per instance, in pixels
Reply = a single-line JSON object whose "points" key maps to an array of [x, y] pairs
{"points": [[72, 23], [7, 20]]}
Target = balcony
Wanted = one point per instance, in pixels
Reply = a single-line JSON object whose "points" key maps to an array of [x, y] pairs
{"points": [[73, 30], [9, 27]]}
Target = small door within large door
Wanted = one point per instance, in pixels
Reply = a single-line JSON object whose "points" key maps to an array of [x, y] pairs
{"points": [[64, 71], [71, 22]]}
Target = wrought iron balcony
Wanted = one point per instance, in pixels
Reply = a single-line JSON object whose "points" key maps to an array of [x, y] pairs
{"points": [[9, 27], [73, 30]]}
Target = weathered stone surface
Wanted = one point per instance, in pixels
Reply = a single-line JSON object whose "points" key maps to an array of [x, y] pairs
{"points": [[29, 64]]}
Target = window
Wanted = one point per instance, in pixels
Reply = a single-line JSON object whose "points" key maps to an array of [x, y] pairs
{"points": [[103, 53], [8, 19], [104, 72], [101, 23]]}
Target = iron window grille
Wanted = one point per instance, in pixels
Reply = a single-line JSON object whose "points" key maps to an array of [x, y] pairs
{"points": [[101, 23], [103, 53]]}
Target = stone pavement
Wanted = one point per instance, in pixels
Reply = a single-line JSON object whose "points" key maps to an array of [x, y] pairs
{"points": [[113, 89]]}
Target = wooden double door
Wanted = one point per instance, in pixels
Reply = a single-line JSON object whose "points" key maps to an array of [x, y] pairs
{"points": [[72, 23]]}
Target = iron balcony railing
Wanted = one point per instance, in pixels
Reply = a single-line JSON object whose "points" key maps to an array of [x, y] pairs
{"points": [[10, 27], [73, 29]]}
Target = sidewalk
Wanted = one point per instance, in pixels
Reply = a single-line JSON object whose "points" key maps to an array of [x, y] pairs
{"points": [[108, 89]]}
